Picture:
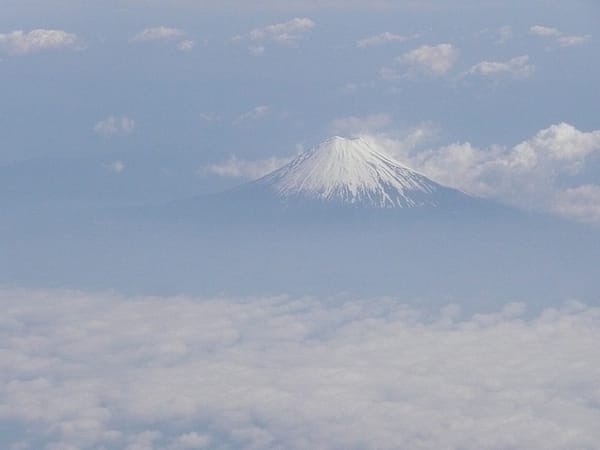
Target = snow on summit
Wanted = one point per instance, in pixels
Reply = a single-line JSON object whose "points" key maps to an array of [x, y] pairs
{"points": [[351, 172]]}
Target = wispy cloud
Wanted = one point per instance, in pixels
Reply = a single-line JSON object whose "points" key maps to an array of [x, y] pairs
{"points": [[354, 125], [235, 167], [21, 43], [283, 34], [186, 46], [561, 39], [540, 30], [117, 166], [257, 113], [100, 371], [518, 67], [114, 126], [160, 33], [381, 39]]}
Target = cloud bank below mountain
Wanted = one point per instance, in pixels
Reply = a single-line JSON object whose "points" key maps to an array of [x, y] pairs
{"points": [[87, 370]]}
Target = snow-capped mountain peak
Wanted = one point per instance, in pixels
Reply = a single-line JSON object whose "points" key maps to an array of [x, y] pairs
{"points": [[351, 172]]}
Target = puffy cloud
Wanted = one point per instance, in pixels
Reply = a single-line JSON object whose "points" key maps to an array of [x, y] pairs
{"points": [[101, 371], [20, 43], [161, 33], [560, 38], [113, 126], [381, 39], [240, 168], [517, 67], [432, 60], [535, 174]]}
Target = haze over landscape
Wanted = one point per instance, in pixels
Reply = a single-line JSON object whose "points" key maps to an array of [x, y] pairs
{"points": [[299, 225]]}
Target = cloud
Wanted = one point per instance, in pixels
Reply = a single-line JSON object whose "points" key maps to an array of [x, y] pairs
{"points": [[517, 67], [560, 38], [430, 60], [381, 39], [117, 166], [505, 34], [257, 113], [354, 125], [101, 371], [114, 126], [186, 46], [536, 174], [284, 34], [581, 203], [240, 168], [20, 43], [161, 33], [540, 30], [571, 41]]}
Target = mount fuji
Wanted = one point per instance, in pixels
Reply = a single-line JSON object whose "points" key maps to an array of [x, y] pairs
{"points": [[339, 178], [350, 172]]}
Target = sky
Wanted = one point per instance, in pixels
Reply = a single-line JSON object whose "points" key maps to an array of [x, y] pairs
{"points": [[119, 334], [129, 102]]}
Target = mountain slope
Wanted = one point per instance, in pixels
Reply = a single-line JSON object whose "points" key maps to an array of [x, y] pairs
{"points": [[351, 173]]}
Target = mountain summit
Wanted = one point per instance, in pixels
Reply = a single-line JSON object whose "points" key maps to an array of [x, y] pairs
{"points": [[351, 172]]}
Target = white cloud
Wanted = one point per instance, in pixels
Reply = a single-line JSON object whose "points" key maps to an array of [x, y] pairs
{"points": [[20, 43], [518, 67], [581, 203], [240, 168], [381, 39], [113, 126], [161, 33], [283, 33], [432, 60], [535, 174], [540, 30], [186, 46], [560, 38], [257, 113], [100, 371], [571, 41]]}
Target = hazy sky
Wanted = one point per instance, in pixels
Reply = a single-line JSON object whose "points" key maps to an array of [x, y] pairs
{"points": [[477, 344], [141, 101]]}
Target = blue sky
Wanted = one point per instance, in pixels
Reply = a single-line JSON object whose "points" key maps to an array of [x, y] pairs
{"points": [[158, 100]]}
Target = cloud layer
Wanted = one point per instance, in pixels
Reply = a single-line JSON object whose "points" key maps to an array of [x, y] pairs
{"points": [[101, 371]]}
